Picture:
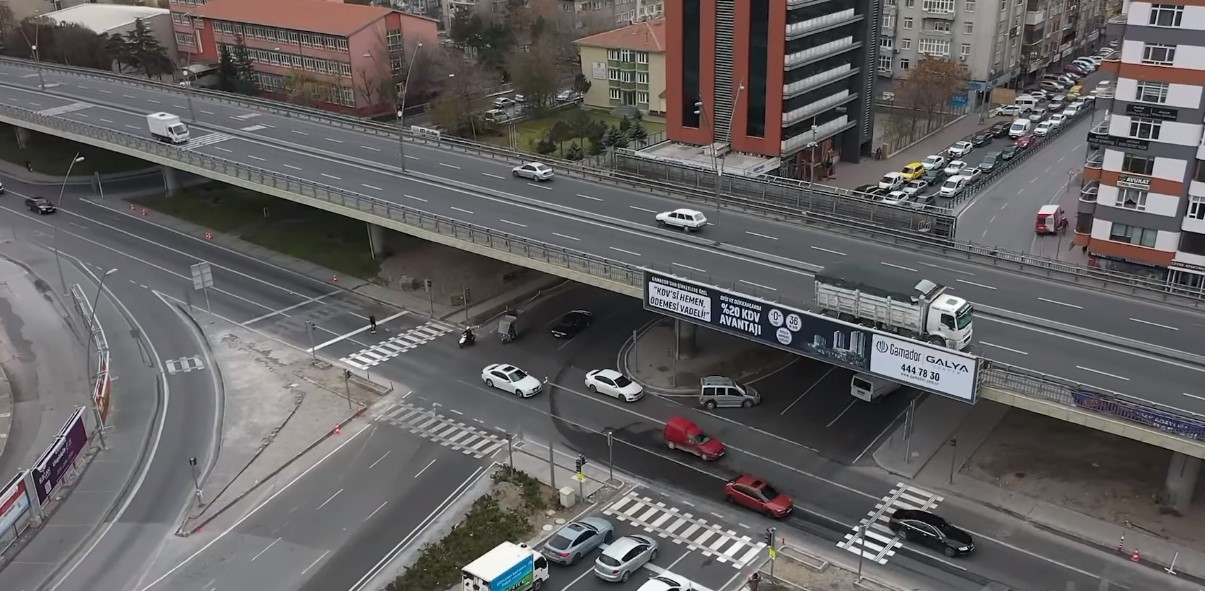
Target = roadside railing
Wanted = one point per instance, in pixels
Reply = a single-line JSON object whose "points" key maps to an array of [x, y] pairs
{"points": [[629, 277], [101, 382]]}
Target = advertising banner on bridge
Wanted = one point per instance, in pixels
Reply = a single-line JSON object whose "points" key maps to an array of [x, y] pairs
{"points": [[15, 506], [103, 390], [1163, 420], [56, 461], [912, 363]]}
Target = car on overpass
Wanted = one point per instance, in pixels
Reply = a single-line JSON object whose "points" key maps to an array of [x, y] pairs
{"points": [[535, 171], [686, 219]]}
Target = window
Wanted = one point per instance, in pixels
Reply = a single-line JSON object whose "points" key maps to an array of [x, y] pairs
{"points": [[934, 46], [1161, 55], [1146, 129], [909, 3], [941, 26], [965, 50], [1166, 15], [886, 43], [968, 27], [1134, 199], [885, 62], [907, 22], [968, 6], [616, 94], [1199, 175], [642, 98], [1134, 164], [614, 74], [642, 77], [1196, 207], [905, 44], [889, 21], [183, 38], [904, 63], [1003, 6], [1133, 235], [941, 6], [613, 55], [642, 57], [1151, 92]]}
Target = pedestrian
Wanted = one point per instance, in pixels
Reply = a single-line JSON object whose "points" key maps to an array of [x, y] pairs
{"points": [[28, 166], [372, 324]]}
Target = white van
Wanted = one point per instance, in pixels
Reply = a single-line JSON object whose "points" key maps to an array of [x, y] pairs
{"points": [[868, 388], [1027, 102], [1019, 128]]}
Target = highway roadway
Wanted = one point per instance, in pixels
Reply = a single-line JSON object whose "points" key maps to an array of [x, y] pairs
{"points": [[833, 497], [745, 253]]}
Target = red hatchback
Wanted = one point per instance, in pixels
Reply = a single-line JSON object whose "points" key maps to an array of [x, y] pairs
{"points": [[1026, 140], [755, 494]]}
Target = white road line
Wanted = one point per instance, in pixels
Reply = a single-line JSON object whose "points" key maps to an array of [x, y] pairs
{"points": [[181, 107], [1102, 373], [758, 285], [493, 176], [292, 167], [223, 149], [371, 148], [254, 157], [409, 157], [371, 187], [1194, 396], [449, 166], [331, 176], [461, 210], [355, 332], [805, 392], [539, 186], [1061, 158], [133, 127], [105, 120], [625, 251], [298, 132], [566, 237], [329, 499], [316, 561], [838, 253], [644, 209], [103, 91], [975, 284], [688, 267], [1058, 303], [987, 344], [420, 472], [1033, 180], [588, 197], [383, 456], [1047, 169], [1140, 321], [948, 269], [331, 139], [838, 417], [760, 235], [147, 100], [208, 112], [377, 510], [898, 267], [512, 223], [261, 552], [1021, 191], [283, 311], [415, 198]]}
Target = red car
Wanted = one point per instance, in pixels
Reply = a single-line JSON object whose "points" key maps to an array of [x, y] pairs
{"points": [[755, 494], [1026, 140]]}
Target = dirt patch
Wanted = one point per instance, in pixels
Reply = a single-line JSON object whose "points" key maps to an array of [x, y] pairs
{"points": [[450, 270], [1102, 475]]}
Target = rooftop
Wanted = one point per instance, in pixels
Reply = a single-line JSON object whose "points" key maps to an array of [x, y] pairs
{"points": [[699, 157], [314, 16], [103, 18], [644, 36]]}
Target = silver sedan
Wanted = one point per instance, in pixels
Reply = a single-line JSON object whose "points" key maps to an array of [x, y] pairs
{"points": [[625, 556]]}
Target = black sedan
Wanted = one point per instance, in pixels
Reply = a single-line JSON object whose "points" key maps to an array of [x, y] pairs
{"points": [[572, 323], [999, 129], [982, 138], [1007, 152], [932, 531]]}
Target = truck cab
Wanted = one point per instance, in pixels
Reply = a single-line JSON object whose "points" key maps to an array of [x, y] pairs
{"points": [[949, 319]]}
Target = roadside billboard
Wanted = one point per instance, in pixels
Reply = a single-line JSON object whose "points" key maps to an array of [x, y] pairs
{"points": [[104, 389], [56, 461], [934, 369], [15, 510]]}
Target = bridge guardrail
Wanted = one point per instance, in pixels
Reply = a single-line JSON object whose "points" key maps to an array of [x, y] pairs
{"points": [[1016, 379]]}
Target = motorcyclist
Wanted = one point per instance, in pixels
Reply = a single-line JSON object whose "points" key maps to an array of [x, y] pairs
{"points": [[468, 335]]}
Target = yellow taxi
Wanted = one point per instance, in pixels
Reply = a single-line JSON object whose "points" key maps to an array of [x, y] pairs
{"points": [[913, 171]]}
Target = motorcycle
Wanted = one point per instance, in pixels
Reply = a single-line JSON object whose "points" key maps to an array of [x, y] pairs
{"points": [[467, 338]]}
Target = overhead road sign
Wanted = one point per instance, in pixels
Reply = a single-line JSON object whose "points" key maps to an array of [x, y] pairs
{"points": [[934, 369]]}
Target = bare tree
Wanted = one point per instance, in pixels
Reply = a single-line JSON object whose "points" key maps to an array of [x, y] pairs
{"points": [[303, 89], [531, 75], [930, 85], [461, 95]]}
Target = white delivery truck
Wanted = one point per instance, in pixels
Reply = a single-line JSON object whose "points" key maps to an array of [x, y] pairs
{"points": [[508, 567], [896, 302], [167, 128]]}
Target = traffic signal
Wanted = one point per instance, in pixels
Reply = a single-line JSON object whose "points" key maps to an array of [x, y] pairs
{"points": [[770, 536], [581, 461]]}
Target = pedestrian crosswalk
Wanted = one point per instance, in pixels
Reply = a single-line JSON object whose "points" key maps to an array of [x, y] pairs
{"points": [[872, 538], [63, 110], [666, 521], [206, 140], [390, 348], [446, 431]]}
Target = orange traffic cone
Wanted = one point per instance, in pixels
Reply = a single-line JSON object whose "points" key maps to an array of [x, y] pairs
{"points": [[335, 279], [1135, 557], [338, 429]]}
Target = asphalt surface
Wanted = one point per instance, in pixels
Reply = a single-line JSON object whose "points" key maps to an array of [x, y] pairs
{"points": [[832, 497], [618, 224]]}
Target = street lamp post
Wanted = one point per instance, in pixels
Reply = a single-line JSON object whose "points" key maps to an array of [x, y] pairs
{"points": [[812, 145], [100, 424], [58, 261], [732, 115], [701, 111], [401, 111], [34, 50]]}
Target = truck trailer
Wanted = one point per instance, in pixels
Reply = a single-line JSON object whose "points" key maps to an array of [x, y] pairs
{"points": [[508, 567], [166, 127], [896, 302]]}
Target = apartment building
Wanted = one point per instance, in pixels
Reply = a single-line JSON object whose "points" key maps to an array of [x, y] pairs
{"points": [[626, 68], [343, 51], [781, 79], [1144, 196], [1057, 31]]}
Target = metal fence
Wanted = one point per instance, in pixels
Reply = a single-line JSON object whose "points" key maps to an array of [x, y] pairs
{"points": [[101, 382], [629, 277]]}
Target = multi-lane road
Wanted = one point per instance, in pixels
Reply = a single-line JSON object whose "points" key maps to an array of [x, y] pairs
{"points": [[745, 253]]}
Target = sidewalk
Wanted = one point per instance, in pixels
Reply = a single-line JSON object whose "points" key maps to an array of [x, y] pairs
{"points": [[869, 170], [930, 461], [650, 360]]}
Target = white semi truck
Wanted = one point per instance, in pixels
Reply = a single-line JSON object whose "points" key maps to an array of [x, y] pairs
{"points": [[508, 567], [896, 302], [167, 128]]}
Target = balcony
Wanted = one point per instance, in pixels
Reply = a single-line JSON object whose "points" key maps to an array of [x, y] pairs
{"points": [[800, 58], [816, 80], [1087, 194], [1092, 166], [816, 108], [827, 21], [936, 33], [1098, 134], [1035, 17], [831, 128], [1194, 225], [1112, 65], [945, 15]]}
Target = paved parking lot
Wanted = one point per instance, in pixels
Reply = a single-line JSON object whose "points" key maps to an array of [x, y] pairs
{"points": [[694, 543]]}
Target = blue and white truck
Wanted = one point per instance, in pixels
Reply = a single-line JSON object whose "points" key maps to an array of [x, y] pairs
{"points": [[508, 567]]}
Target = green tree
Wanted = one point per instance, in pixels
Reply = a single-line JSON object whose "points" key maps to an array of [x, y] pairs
{"points": [[624, 125], [575, 152], [638, 133], [244, 68], [559, 133], [545, 146], [581, 124], [581, 84], [147, 53], [621, 139], [119, 49], [228, 80], [532, 75]]}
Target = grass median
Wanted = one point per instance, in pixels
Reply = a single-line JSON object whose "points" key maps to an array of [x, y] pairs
{"points": [[326, 239], [52, 155]]}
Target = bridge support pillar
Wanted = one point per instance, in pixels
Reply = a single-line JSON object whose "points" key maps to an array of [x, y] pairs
{"points": [[685, 332], [376, 241], [1181, 483], [22, 137], [171, 180]]}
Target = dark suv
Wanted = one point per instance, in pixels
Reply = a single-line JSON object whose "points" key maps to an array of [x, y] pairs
{"points": [[932, 531], [39, 205]]}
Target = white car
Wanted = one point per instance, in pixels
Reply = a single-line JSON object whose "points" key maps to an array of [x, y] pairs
{"points": [[953, 186], [613, 384], [1008, 111], [933, 161], [916, 187], [954, 167], [666, 582], [1058, 118], [1043, 129], [960, 149], [509, 378], [895, 198], [1073, 109], [503, 103], [535, 171], [687, 219], [892, 181]]}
